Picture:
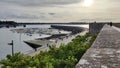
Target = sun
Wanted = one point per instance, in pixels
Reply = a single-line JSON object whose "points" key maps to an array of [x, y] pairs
{"points": [[87, 3]]}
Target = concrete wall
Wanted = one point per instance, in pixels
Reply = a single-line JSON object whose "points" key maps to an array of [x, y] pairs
{"points": [[105, 51], [95, 28]]}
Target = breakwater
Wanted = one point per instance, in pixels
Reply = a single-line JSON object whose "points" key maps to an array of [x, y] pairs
{"points": [[54, 37], [74, 29], [57, 39], [105, 51]]}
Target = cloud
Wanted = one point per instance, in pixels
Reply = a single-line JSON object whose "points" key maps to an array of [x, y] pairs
{"points": [[39, 2], [19, 15], [59, 10], [51, 13]]}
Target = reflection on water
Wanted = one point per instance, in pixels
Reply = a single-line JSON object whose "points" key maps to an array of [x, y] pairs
{"points": [[9, 34], [6, 36]]}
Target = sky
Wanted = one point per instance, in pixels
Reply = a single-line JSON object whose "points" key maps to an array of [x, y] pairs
{"points": [[60, 10]]}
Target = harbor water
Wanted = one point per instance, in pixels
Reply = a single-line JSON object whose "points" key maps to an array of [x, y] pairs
{"points": [[6, 36]]}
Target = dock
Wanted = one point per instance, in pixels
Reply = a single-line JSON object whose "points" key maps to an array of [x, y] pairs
{"points": [[65, 40]]}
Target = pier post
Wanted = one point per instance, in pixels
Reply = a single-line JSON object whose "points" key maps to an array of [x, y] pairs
{"points": [[12, 47]]}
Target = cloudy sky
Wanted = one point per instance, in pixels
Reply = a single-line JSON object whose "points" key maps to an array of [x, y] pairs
{"points": [[60, 10]]}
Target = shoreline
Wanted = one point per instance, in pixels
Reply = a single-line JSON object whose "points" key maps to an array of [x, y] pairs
{"points": [[68, 31], [64, 40], [20, 46]]}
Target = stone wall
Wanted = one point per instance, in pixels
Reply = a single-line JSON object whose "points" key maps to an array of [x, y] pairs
{"points": [[95, 28], [105, 51]]}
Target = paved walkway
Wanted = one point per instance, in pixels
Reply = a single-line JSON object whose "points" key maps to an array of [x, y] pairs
{"points": [[59, 41], [105, 51]]}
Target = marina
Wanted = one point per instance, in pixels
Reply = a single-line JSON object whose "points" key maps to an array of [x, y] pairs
{"points": [[18, 35]]}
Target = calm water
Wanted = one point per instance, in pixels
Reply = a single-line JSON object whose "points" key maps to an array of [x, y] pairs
{"points": [[6, 36]]}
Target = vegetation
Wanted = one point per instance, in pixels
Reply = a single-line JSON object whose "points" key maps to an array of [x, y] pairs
{"points": [[66, 56], [8, 24]]}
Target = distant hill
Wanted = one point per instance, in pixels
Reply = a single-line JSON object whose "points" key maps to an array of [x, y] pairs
{"points": [[7, 22]]}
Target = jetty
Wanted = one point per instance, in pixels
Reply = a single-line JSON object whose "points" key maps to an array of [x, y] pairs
{"points": [[74, 29], [54, 36], [42, 44]]}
